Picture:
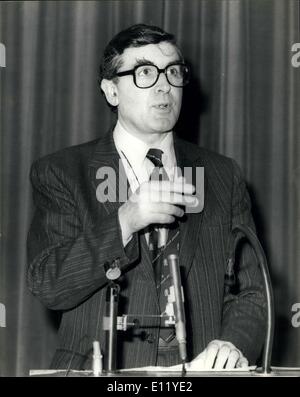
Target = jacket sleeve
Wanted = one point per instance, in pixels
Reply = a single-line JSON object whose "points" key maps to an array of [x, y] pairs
{"points": [[244, 311], [66, 257]]}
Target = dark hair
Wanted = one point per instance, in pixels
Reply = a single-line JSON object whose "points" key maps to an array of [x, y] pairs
{"points": [[134, 36]]}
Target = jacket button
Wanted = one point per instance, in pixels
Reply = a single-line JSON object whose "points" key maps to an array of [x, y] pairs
{"points": [[150, 338]]}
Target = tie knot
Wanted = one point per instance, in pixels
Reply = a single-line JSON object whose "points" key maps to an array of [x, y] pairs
{"points": [[155, 156]]}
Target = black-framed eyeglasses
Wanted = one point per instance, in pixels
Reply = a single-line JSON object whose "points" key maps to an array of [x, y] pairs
{"points": [[146, 76]]}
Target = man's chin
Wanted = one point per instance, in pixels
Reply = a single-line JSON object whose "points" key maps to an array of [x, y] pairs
{"points": [[163, 127]]}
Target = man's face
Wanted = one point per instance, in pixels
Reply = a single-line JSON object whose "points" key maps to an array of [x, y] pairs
{"points": [[148, 111]]}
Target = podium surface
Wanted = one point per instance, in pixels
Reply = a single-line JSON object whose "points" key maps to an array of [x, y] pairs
{"points": [[252, 372]]}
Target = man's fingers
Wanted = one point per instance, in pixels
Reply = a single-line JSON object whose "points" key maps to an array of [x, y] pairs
{"points": [[166, 209], [162, 218], [211, 354], [166, 191], [179, 179], [242, 363], [218, 355], [222, 356], [176, 187], [172, 198], [233, 358], [154, 196]]}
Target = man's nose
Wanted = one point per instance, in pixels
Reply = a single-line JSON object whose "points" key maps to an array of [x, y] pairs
{"points": [[162, 83]]}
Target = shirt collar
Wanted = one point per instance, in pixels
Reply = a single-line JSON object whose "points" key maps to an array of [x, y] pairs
{"points": [[131, 147], [135, 150]]}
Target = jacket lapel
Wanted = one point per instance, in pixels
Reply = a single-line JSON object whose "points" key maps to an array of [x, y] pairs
{"points": [[191, 223], [106, 162], [106, 157]]}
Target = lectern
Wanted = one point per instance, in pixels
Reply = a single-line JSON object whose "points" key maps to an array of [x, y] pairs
{"points": [[266, 370], [251, 372]]}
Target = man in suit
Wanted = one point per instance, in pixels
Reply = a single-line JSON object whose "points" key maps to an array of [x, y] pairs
{"points": [[77, 235]]}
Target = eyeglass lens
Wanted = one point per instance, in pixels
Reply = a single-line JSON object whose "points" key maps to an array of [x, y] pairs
{"points": [[147, 75]]}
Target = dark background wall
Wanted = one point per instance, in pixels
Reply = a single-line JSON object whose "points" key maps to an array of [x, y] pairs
{"points": [[243, 102]]}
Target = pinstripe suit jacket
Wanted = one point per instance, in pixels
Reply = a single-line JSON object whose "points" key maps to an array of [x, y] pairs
{"points": [[73, 235]]}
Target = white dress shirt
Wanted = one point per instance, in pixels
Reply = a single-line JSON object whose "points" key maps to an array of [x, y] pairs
{"points": [[138, 167], [133, 151]]}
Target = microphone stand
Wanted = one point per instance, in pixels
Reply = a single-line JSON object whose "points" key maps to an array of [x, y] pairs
{"points": [[179, 313], [112, 272], [113, 299], [238, 232]]}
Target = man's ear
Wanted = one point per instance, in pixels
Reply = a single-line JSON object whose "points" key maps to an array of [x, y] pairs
{"points": [[111, 92]]}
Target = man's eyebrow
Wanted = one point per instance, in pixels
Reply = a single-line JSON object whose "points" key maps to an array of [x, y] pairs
{"points": [[144, 61]]}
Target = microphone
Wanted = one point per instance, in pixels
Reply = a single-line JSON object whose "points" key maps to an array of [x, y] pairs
{"points": [[179, 305], [244, 231], [162, 236]]}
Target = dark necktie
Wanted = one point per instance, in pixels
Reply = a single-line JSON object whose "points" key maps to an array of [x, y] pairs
{"points": [[162, 242], [158, 234]]}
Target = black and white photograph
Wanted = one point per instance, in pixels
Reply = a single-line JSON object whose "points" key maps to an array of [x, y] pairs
{"points": [[150, 191]]}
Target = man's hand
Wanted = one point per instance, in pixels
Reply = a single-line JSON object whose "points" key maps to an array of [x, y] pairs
{"points": [[218, 354], [155, 202]]}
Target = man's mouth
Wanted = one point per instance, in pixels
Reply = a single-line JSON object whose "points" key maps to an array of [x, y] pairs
{"points": [[163, 106]]}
